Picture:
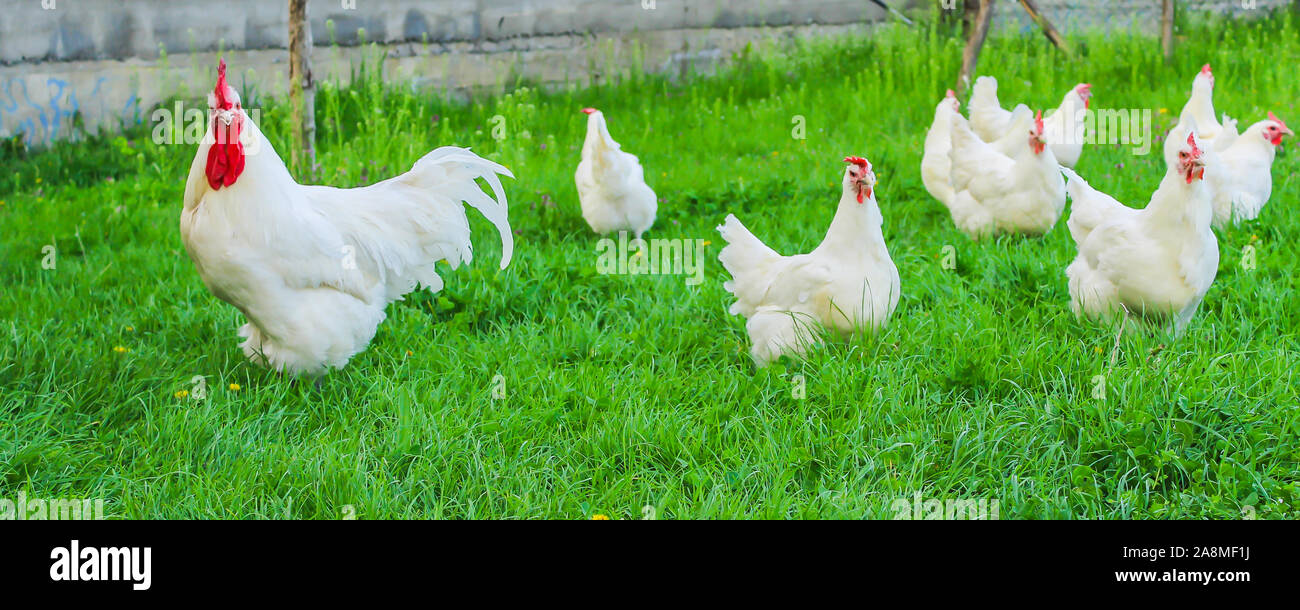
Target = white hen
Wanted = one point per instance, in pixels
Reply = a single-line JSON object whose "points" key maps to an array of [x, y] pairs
{"points": [[1200, 108], [1155, 263], [1241, 179], [936, 161], [936, 167], [312, 267], [847, 283], [1063, 128], [996, 193], [611, 183]]}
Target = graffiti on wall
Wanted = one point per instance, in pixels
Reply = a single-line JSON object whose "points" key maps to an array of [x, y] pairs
{"points": [[46, 108]]}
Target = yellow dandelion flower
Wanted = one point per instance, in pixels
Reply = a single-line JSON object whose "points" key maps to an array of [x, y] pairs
{"points": [[1254, 238], [119, 349], [181, 393], [1164, 111], [1097, 349], [234, 387], [599, 517], [409, 352], [38, 180], [707, 242], [130, 329]]}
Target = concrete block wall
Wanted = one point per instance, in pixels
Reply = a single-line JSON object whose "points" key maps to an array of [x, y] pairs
{"points": [[112, 61]]}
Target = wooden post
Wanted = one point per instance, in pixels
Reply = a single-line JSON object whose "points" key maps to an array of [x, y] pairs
{"points": [[974, 42], [302, 88], [1046, 26], [1167, 30]]}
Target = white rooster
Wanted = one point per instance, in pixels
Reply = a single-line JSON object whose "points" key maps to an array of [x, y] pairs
{"points": [[1200, 108], [611, 183], [999, 193], [1155, 263], [1063, 128], [312, 267], [847, 283], [1241, 179]]}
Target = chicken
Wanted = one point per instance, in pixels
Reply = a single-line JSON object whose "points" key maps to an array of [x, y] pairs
{"points": [[1155, 263], [995, 192], [313, 267], [611, 183], [1063, 127], [935, 165], [847, 283], [1241, 180], [1200, 108]]}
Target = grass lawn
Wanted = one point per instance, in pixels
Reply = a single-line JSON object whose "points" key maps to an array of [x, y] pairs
{"points": [[623, 392]]}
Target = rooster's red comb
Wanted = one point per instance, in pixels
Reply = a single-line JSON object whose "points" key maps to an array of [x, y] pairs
{"points": [[1273, 117], [1206, 69], [1191, 140], [1038, 122], [951, 93], [858, 161], [223, 101]]}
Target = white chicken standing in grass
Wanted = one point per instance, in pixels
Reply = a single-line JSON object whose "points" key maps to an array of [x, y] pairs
{"points": [[936, 167], [1155, 263], [1200, 109], [936, 162], [1063, 128], [611, 183], [1241, 180], [846, 283], [993, 192], [312, 267]]}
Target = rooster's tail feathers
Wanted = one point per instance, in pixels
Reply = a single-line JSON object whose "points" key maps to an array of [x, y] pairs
{"points": [[462, 168]]}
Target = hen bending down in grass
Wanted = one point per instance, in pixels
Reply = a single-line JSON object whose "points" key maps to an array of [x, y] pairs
{"points": [[312, 267], [611, 184], [847, 283]]}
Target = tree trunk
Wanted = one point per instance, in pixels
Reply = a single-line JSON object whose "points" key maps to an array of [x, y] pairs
{"points": [[974, 42], [302, 88], [1046, 26], [1167, 30]]}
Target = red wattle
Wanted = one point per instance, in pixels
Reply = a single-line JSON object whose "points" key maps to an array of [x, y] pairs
{"points": [[226, 157]]}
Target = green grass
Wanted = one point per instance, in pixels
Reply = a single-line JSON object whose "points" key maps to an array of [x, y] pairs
{"points": [[628, 391]]}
